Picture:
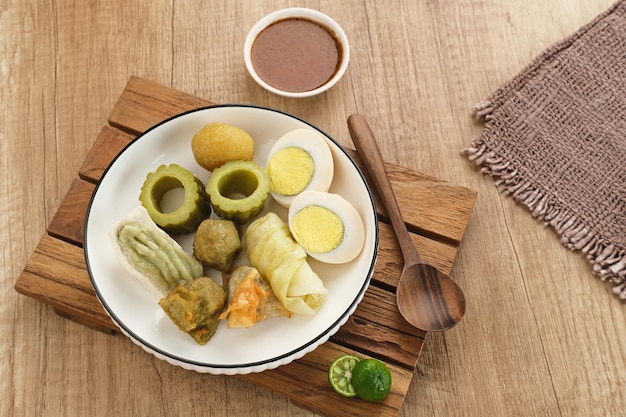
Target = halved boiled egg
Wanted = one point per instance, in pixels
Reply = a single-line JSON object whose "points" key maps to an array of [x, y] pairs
{"points": [[299, 160], [327, 226]]}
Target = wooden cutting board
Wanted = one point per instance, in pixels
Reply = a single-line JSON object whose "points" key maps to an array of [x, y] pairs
{"points": [[435, 211]]}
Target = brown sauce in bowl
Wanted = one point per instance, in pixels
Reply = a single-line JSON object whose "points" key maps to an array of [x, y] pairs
{"points": [[296, 55]]}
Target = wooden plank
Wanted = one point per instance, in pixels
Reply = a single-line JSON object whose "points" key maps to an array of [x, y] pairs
{"points": [[109, 143], [377, 328], [437, 212], [306, 382], [56, 275], [436, 209], [69, 220], [69, 314], [145, 103]]}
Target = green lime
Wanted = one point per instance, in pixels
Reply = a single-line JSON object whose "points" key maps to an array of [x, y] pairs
{"points": [[340, 374], [371, 380]]}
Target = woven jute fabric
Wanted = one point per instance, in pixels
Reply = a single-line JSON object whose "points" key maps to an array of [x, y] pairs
{"points": [[554, 139]]}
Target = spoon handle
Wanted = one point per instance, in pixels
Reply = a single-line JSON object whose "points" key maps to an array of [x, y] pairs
{"points": [[365, 143]]}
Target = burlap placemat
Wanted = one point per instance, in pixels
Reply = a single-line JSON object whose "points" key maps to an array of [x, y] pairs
{"points": [[554, 138]]}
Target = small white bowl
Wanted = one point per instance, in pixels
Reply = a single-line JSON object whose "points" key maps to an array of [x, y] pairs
{"points": [[308, 14]]}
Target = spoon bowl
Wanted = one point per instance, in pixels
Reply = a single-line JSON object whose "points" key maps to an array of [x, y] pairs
{"points": [[427, 298], [431, 304]]}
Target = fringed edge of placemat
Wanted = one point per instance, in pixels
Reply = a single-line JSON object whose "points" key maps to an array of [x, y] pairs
{"points": [[609, 261]]}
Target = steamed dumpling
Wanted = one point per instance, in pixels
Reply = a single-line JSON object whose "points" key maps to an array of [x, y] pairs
{"points": [[151, 255]]}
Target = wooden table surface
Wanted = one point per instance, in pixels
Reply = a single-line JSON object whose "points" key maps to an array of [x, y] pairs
{"points": [[541, 337]]}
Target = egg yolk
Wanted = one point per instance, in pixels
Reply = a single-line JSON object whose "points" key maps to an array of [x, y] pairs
{"points": [[317, 229], [291, 170]]}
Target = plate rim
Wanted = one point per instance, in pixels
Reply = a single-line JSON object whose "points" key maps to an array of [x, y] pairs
{"points": [[269, 363]]}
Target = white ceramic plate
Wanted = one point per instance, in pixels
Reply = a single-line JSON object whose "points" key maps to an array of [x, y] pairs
{"points": [[269, 343]]}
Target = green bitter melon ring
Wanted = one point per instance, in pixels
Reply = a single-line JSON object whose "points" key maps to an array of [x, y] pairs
{"points": [[238, 190], [195, 207]]}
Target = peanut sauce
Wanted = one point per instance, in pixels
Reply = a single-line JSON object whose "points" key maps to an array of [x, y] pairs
{"points": [[296, 55]]}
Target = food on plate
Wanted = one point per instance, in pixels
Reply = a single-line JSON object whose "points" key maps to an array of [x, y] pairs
{"points": [[250, 298], [217, 143], [299, 160], [216, 243], [281, 260], [194, 307], [238, 190], [327, 226], [194, 208], [150, 255]]}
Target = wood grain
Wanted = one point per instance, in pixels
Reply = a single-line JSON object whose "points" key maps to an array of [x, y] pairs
{"points": [[109, 143], [375, 329], [56, 275], [541, 337], [138, 109], [66, 223]]}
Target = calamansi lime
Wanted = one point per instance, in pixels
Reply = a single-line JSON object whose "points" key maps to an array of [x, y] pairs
{"points": [[371, 380], [340, 374]]}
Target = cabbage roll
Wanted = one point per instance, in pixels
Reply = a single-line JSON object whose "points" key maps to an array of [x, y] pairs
{"points": [[272, 250]]}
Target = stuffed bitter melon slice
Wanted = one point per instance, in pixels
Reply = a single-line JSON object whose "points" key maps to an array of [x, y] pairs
{"points": [[238, 190], [195, 207]]}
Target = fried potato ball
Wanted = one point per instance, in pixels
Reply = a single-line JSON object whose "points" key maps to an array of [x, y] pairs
{"points": [[217, 143]]}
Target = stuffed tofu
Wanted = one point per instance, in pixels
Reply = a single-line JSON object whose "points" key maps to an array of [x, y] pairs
{"points": [[250, 298]]}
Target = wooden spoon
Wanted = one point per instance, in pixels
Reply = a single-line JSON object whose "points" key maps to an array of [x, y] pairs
{"points": [[426, 298]]}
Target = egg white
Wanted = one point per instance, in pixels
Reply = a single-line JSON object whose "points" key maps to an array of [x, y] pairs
{"points": [[354, 231], [315, 145]]}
